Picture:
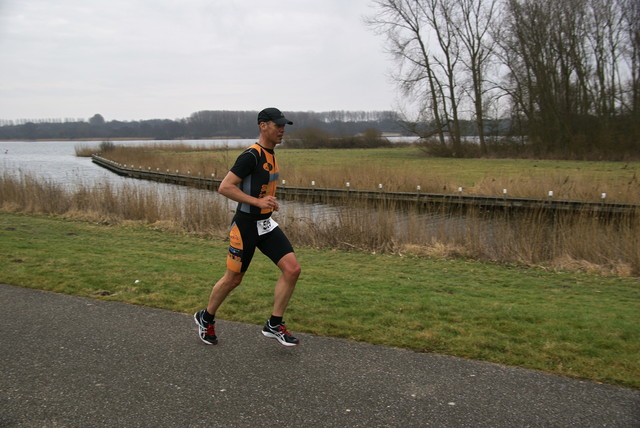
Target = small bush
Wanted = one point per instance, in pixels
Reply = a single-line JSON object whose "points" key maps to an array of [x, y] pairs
{"points": [[107, 146]]}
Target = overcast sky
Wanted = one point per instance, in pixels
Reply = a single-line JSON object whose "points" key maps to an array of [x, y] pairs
{"points": [[146, 59]]}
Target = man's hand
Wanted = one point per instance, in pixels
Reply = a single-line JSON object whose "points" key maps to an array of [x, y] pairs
{"points": [[229, 188], [268, 202]]}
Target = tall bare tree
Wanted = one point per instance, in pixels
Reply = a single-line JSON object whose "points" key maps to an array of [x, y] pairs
{"points": [[605, 37], [631, 24], [473, 25], [540, 47], [402, 23], [438, 43], [440, 16]]}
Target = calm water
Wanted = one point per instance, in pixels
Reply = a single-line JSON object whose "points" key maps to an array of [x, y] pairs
{"points": [[55, 161]]}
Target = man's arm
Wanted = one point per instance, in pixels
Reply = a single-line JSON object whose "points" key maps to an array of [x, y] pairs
{"points": [[229, 188]]}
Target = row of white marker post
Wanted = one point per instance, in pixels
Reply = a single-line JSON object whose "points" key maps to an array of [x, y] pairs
{"points": [[603, 196]]}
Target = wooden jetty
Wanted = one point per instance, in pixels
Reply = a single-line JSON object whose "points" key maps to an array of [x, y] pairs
{"points": [[418, 199]]}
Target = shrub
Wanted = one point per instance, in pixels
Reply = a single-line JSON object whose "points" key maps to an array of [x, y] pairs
{"points": [[106, 146]]}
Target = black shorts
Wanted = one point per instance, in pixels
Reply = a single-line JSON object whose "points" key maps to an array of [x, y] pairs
{"points": [[244, 239]]}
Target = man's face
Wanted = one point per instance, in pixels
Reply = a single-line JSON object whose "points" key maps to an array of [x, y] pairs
{"points": [[272, 132]]}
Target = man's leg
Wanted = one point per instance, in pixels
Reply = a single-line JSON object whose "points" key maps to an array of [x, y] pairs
{"points": [[222, 288], [286, 283], [205, 318]]}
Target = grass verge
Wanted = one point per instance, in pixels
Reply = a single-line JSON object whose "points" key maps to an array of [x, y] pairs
{"points": [[567, 323]]}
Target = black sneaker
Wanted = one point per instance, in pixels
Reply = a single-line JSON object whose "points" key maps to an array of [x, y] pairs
{"points": [[280, 333], [206, 331]]}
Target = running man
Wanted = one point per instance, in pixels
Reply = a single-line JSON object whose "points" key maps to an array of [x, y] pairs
{"points": [[252, 183]]}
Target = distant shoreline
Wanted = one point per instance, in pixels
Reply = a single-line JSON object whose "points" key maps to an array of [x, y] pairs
{"points": [[123, 139]]}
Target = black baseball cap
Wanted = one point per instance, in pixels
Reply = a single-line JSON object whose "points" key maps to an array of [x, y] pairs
{"points": [[274, 115]]}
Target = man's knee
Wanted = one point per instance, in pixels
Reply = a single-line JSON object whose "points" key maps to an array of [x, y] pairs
{"points": [[233, 279], [294, 270], [290, 266]]}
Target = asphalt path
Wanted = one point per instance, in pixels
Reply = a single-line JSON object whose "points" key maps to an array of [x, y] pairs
{"points": [[76, 362]]}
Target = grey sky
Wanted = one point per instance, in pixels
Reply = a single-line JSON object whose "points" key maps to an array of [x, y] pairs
{"points": [[143, 59]]}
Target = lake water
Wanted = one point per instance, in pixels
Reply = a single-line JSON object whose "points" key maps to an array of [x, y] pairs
{"points": [[56, 161]]}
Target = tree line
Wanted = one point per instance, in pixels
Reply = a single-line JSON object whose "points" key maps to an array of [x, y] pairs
{"points": [[566, 73], [201, 124]]}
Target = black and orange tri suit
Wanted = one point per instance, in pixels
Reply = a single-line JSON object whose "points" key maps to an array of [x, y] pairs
{"points": [[252, 226]]}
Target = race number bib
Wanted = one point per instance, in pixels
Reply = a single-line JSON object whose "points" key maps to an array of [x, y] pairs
{"points": [[266, 226]]}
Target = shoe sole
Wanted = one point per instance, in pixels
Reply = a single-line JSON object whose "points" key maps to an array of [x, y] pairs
{"points": [[280, 341], [198, 324]]}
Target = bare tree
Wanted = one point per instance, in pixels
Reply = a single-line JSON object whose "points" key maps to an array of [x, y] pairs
{"points": [[402, 23], [564, 61], [437, 43], [472, 27], [605, 43], [631, 24], [541, 47], [440, 16]]}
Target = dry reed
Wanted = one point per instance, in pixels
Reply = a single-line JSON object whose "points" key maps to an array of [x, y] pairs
{"points": [[178, 209], [184, 158], [568, 241], [206, 161]]}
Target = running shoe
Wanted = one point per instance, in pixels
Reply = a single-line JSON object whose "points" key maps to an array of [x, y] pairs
{"points": [[280, 333], [206, 331]]}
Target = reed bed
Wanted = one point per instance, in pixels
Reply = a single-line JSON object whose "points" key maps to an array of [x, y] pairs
{"points": [[403, 170], [187, 159], [567, 241], [178, 209]]}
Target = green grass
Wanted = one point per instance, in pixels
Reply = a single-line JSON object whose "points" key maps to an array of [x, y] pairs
{"points": [[567, 323]]}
